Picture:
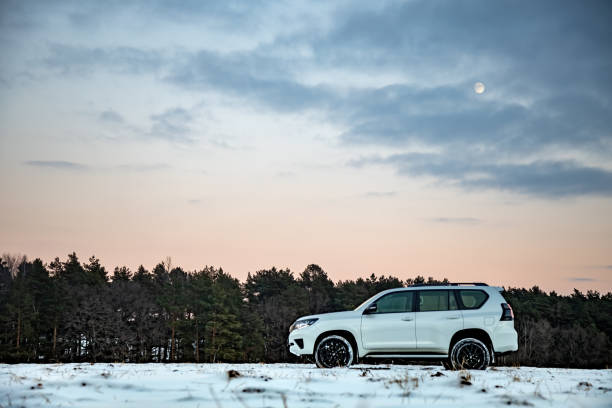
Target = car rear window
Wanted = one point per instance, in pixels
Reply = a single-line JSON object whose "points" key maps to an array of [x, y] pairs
{"points": [[472, 299]]}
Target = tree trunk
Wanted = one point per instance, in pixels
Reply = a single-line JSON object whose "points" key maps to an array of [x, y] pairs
{"points": [[54, 338], [172, 345], [92, 341], [212, 343], [197, 342], [141, 349], [18, 327]]}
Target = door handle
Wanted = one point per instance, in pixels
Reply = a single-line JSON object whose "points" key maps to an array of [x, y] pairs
{"points": [[453, 317], [407, 319]]}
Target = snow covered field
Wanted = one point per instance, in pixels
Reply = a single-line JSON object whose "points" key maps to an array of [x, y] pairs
{"points": [[288, 385]]}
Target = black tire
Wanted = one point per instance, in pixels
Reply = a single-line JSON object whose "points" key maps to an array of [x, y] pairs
{"points": [[334, 351], [470, 354]]}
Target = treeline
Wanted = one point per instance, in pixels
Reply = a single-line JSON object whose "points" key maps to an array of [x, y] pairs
{"points": [[561, 331], [69, 311]]}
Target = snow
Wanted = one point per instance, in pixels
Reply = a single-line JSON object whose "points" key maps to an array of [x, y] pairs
{"points": [[296, 385]]}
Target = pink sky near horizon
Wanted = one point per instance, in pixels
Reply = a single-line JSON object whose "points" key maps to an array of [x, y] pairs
{"points": [[349, 236]]}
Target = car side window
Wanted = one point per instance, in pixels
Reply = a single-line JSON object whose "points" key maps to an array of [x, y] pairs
{"points": [[433, 300], [472, 299], [397, 302]]}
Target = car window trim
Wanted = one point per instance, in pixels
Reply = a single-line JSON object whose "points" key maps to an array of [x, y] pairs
{"points": [[453, 292]]}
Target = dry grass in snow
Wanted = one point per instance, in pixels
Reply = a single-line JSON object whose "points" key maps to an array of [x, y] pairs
{"points": [[292, 385]]}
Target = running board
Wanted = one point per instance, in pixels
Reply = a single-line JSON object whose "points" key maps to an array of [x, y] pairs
{"points": [[410, 356]]}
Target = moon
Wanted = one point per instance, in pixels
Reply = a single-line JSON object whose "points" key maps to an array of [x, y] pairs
{"points": [[479, 88]]}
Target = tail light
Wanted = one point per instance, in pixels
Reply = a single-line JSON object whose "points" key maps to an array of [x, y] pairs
{"points": [[507, 313]]}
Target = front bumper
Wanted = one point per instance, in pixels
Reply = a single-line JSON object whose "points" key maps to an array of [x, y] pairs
{"points": [[301, 342]]}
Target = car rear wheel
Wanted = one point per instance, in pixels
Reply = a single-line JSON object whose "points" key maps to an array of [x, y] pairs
{"points": [[334, 351], [470, 354]]}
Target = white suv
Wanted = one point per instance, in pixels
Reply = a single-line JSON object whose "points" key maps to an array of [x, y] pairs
{"points": [[464, 325]]}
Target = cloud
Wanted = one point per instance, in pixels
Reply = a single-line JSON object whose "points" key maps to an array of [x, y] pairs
{"points": [[57, 164], [251, 75], [224, 144], [579, 279], [72, 166], [551, 179], [402, 112], [79, 60], [139, 168], [172, 125], [456, 36], [456, 220], [380, 194], [111, 116], [454, 117], [219, 13], [546, 68]]}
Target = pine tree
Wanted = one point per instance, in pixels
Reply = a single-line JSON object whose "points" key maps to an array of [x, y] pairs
{"points": [[223, 339], [200, 299]]}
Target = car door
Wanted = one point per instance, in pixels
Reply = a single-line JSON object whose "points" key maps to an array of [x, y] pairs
{"points": [[437, 319], [392, 326]]}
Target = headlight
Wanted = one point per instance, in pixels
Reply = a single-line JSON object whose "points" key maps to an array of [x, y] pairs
{"points": [[300, 324]]}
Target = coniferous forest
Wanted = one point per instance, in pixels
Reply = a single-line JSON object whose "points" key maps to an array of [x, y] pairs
{"points": [[73, 311]]}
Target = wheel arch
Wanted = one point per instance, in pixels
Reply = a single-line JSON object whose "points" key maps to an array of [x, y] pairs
{"points": [[344, 333], [479, 334]]}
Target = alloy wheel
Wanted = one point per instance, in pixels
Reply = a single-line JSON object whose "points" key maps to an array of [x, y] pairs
{"points": [[334, 351], [470, 354]]}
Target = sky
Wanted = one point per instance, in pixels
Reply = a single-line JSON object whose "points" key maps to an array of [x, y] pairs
{"points": [[350, 134]]}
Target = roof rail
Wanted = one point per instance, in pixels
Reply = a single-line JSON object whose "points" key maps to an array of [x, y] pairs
{"points": [[449, 284]]}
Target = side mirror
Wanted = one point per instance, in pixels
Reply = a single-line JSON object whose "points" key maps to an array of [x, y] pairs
{"points": [[371, 309]]}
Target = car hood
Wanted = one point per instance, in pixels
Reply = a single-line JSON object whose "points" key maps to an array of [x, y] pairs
{"points": [[349, 314]]}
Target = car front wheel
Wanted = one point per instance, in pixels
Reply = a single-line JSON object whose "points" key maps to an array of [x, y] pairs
{"points": [[470, 354], [334, 351]]}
